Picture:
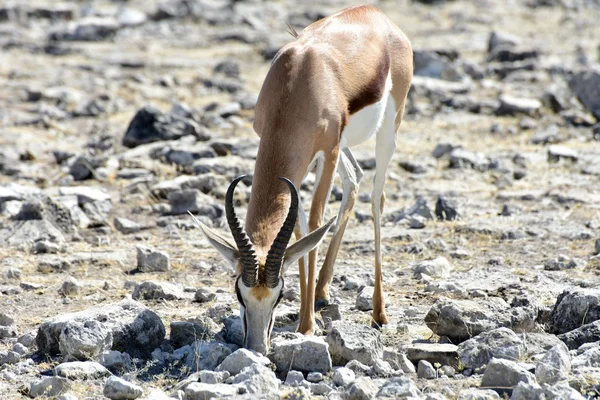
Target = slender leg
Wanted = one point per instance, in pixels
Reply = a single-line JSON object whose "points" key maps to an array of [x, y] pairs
{"points": [[317, 211], [351, 175], [384, 148], [301, 231]]}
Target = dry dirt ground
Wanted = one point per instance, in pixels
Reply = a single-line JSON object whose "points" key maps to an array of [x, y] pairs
{"points": [[555, 205]]}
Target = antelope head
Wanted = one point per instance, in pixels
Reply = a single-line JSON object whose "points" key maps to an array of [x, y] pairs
{"points": [[259, 283]]}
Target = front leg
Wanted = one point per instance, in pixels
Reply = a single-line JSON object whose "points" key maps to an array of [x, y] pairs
{"points": [[325, 174]]}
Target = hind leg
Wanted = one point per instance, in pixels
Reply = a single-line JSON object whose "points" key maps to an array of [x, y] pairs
{"points": [[384, 148]]}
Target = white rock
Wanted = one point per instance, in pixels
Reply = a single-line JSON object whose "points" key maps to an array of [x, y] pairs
{"points": [[437, 268], [85, 194], [505, 373], [116, 388], [554, 366], [203, 391], [49, 386], [294, 378], [304, 353], [240, 359], [149, 260], [258, 379], [343, 376], [425, 370], [206, 356], [354, 342], [364, 300], [81, 370]]}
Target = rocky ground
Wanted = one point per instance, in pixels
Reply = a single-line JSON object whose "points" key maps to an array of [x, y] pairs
{"points": [[116, 117]]}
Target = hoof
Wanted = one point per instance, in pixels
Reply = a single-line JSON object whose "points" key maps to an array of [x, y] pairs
{"points": [[320, 304]]}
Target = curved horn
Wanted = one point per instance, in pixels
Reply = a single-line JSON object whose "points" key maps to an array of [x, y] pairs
{"points": [[246, 251], [274, 259]]}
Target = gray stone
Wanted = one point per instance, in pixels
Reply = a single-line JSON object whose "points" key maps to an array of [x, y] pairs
{"points": [[156, 290], [70, 287], [586, 86], [382, 369], [354, 342], [126, 226], [149, 260], [320, 388], [573, 309], [53, 264], [131, 17], [187, 332], [204, 391], [442, 149], [304, 353], [85, 194], [116, 388], [9, 357], [20, 348], [461, 158], [439, 267], [502, 39], [134, 328], [83, 340], [361, 389], [206, 355], [425, 370], [314, 377], [442, 353], [557, 153], [463, 319], [399, 360], [204, 295], [150, 125], [505, 374], [194, 201], [554, 366], [240, 359], [588, 358], [516, 105], [562, 391], [343, 376], [501, 343], [258, 380], [115, 360], [49, 386], [527, 391], [400, 388], [477, 394], [82, 370], [587, 333], [31, 231], [358, 367], [364, 300], [213, 377], [46, 247], [294, 378]]}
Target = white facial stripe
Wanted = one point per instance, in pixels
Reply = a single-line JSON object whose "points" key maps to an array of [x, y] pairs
{"points": [[258, 314]]}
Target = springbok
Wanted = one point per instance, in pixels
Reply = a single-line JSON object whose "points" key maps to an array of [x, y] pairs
{"points": [[344, 79]]}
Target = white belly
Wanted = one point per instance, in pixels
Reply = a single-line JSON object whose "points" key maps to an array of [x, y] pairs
{"points": [[366, 122]]}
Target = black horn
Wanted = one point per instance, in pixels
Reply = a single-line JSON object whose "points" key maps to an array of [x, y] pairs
{"points": [[274, 259], [244, 245]]}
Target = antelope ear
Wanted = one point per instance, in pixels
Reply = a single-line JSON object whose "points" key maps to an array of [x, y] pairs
{"points": [[217, 241], [306, 244]]}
